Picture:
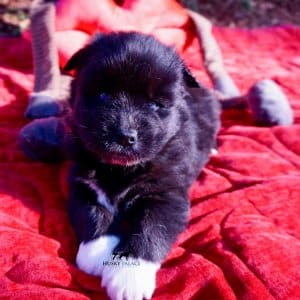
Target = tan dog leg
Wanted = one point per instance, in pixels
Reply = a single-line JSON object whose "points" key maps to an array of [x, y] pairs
{"points": [[213, 59], [266, 101], [47, 98]]}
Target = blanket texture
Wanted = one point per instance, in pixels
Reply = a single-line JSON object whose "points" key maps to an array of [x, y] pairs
{"points": [[243, 239]]}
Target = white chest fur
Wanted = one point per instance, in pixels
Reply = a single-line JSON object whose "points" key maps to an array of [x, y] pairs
{"points": [[102, 198]]}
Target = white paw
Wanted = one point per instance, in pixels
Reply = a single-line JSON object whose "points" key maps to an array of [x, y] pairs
{"points": [[130, 279], [92, 255]]}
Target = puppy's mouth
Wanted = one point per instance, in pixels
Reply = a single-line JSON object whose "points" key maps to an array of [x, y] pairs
{"points": [[120, 158]]}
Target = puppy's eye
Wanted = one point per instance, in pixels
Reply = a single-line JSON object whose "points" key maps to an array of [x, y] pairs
{"points": [[104, 97], [155, 106]]}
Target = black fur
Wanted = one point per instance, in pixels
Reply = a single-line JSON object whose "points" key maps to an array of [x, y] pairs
{"points": [[143, 129]]}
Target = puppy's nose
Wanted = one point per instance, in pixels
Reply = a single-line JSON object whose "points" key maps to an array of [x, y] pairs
{"points": [[129, 137]]}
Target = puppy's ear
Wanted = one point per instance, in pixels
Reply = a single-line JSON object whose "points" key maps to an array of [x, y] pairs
{"points": [[189, 79], [78, 59]]}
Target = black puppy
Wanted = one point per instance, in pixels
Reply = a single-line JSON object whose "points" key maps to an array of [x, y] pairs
{"points": [[142, 129]]}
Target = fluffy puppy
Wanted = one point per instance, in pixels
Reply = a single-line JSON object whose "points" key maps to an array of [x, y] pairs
{"points": [[142, 130]]}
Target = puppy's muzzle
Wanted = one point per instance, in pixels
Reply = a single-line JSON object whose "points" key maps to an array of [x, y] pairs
{"points": [[128, 138]]}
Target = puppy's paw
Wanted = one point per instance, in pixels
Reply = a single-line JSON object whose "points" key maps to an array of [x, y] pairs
{"points": [[129, 278], [42, 105], [92, 255]]}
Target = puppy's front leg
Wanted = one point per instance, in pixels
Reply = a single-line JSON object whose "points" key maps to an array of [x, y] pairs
{"points": [[91, 215], [154, 224]]}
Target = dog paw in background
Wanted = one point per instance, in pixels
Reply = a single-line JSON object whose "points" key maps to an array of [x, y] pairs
{"points": [[42, 139], [42, 105], [49, 102], [266, 101], [269, 105]]}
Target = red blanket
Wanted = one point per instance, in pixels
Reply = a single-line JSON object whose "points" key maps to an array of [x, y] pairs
{"points": [[242, 241]]}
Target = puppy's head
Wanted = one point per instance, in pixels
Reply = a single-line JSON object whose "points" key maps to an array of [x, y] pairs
{"points": [[128, 95]]}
